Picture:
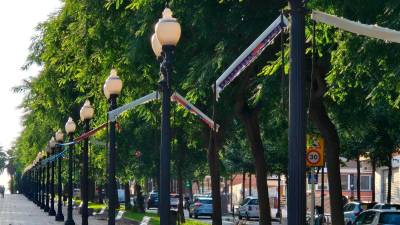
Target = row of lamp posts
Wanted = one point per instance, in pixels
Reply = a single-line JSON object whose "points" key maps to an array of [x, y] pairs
{"points": [[38, 180]]}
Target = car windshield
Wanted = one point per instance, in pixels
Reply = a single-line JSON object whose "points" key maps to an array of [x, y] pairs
{"points": [[245, 201], [388, 206], [349, 207], [392, 218], [205, 201]]}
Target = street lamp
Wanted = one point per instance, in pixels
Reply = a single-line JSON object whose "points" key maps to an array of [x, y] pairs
{"points": [[47, 207], [70, 128], [296, 208], [38, 191], [86, 115], [59, 138], [52, 145], [112, 89], [43, 206], [163, 42]]}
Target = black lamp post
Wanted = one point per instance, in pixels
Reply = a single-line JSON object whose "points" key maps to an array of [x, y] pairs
{"points": [[43, 206], [167, 34], [70, 128], [59, 215], [86, 114], [36, 178], [297, 116], [41, 202], [52, 145], [36, 183], [47, 206], [112, 89]]}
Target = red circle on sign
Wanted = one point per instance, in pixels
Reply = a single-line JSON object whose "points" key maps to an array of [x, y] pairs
{"points": [[313, 157]]}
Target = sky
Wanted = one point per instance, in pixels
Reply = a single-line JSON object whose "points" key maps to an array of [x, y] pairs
{"points": [[18, 20]]}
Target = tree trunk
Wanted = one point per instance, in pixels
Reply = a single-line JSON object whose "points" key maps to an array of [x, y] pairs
{"points": [[249, 118], [373, 163], [127, 196], [181, 159], [250, 184], [139, 198], [198, 186], [358, 178], [243, 186], [100, 194], [213, 162], [181, 216], [320, 118], [389, 193]]}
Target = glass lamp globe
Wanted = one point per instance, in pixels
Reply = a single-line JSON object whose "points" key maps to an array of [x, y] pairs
{"points": [[52, 143], [168, 30], [70, 126], [105, 91], [156, 45], [39, 156], [59, 135], [87, 111], [113, 84]]}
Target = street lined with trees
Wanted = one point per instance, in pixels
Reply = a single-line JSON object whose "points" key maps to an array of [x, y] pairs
{"points": [[313, 78]]}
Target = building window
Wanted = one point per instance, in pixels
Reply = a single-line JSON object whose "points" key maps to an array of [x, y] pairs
{"points": [[345, 182], [365, 183]]}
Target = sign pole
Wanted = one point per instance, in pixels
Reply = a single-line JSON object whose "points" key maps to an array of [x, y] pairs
{"points": [[313, 181]]}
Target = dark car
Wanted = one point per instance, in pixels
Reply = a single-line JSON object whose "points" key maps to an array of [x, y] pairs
{"points": [[152, 201]]}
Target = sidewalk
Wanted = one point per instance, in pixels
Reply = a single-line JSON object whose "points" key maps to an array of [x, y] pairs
{"points": [[18, 210]]}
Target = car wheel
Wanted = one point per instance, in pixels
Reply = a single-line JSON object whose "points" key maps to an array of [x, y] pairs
{"points": [[196, 216], [247, 216]]}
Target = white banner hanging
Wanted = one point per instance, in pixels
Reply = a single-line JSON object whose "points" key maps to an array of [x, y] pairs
{"points": [[112, 115], [194, 110], [251, 53], [373, 31]]}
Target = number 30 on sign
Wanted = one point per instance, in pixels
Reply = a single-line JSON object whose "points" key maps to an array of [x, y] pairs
{"points": [[315, 151]]}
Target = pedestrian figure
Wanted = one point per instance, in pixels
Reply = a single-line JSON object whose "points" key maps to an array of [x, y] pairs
{"points": [[2, 190]]}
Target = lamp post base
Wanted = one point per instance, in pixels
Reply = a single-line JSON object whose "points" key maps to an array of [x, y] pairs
{"points": [[59, 217], [69, 222], [52, 212]]}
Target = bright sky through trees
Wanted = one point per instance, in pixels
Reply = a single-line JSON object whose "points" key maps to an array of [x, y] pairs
{"points": [[18, 20]]}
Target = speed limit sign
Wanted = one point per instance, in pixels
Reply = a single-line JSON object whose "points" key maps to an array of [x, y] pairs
{"points": [[315, 151], [313, 157]]}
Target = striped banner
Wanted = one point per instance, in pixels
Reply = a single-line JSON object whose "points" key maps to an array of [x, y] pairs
{"points": [[251, 53], [192, 109], [112, 115]]}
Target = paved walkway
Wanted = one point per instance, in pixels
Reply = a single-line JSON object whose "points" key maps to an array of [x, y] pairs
{"points": [[18, 210]]}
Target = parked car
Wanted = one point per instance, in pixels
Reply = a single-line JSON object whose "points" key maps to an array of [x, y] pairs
{"points": [[201, 206], [152, 200], [351, 211], [249, 208], [387, 206], [378, 217], [174, 200]]}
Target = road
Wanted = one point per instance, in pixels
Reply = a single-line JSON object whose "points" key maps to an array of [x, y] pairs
{"points": [[226, 220]]}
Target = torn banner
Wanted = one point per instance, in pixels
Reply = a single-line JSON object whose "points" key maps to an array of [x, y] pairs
{"points": [[373, 31], [192, 109], [251, 53]]}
